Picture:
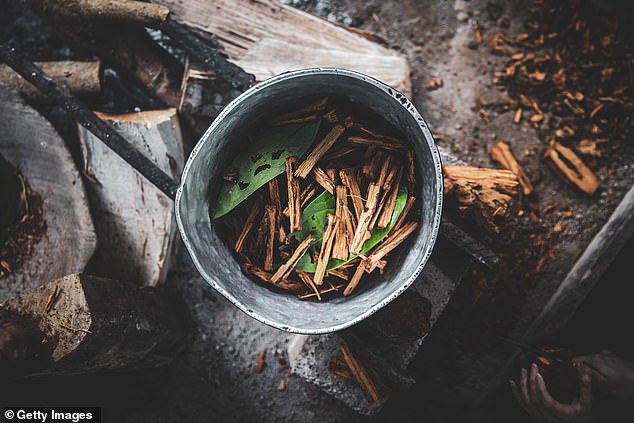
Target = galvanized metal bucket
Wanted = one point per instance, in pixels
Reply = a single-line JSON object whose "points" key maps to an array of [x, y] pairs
{"points": [[203, 174]]}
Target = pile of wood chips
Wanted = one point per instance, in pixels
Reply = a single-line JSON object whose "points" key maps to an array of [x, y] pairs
{"points": [[570, 76], [363, 170]]}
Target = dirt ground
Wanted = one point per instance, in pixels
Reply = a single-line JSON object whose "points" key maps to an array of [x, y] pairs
{"points": [[461, 357]]}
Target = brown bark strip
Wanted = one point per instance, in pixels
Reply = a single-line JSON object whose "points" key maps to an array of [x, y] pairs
{"points": [[338, 273], [274, 193], [305, 277], [359, 374], [304, 119], [285, 269], [388, 208], [386, 168], [284, 284], [501, 153], [366, 217], [321, 149], [294, 201], [326, 248], [323, 179], [568, 165], [411, 172], [339, 153], [375, 142], [323, 291], [349, 179], [401, 219], [372, 162], [392, 241], [253, 214], [308, 193], [271, 213], [146, 14], [356, 278], [377, 135], [301, 113], [386, 188], [82, 78], [340, 248]]}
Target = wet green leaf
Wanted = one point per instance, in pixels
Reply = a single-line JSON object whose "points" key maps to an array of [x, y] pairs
{"points": [[264, 160]]}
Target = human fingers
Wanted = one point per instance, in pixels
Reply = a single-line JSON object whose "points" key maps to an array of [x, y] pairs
{"points": [[526, 399], [547, 404], [585, 386]]}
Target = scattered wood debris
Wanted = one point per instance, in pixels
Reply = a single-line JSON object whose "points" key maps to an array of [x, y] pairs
{"points": [[568, 77], [260, 364], [434, 84]]}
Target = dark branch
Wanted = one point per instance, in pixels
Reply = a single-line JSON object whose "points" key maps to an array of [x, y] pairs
{"points": [[207, 55], [60, 96]]}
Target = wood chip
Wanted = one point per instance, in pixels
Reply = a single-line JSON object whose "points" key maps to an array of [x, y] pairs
{"points": [[388, 209], [264, 276], [366, 217], [376, 142], [340, 248], [321, 149], [501, 153], [567, 164], [248, 224], [323, 179], [285, 269], [392, 241], [349, 179], [271, 213], [261, 364], [327, 241], [359, 374], [308, 280], [294, 201], [356, 278]]}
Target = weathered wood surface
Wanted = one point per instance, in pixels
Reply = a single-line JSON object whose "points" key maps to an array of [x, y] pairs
{"points": [[30, 143], [96, 324], [266, 38], [82, 78], [134, 220], [122, 11]]}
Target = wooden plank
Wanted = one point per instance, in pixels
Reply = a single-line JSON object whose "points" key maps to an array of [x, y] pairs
{"points": [[134, 220], [250, 33]]}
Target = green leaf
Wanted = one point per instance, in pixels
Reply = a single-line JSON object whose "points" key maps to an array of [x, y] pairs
{"points": [[263, 161], [314, 219]]}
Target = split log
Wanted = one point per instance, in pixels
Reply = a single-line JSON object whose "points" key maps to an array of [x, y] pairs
{"points": [[501, 153], [250, 33], [135, 221], [566, 163], [30, 143], [82, 78], [139, 12], [485, 194], [94, 324]]}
